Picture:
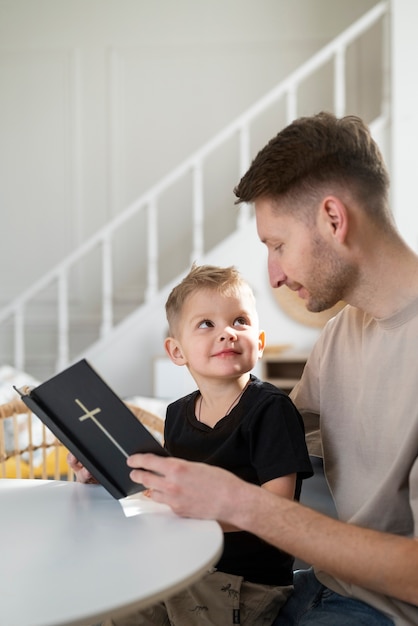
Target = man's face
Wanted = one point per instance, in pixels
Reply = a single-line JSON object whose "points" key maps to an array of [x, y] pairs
{"points": [[301, 259]]}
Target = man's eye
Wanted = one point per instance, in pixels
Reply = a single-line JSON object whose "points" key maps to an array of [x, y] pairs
{"points": [[206, 324]]}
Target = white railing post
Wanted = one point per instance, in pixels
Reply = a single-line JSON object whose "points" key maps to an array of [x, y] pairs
{"points": [[291, 103], [107, 285], [244, 164], [198, 213], [244, 148], [339, 82], [152, 256], [63, 321], [386, 65], [19, 338]]}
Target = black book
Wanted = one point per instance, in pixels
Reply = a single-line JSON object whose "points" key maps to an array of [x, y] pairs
{"points": [[89, 419]]}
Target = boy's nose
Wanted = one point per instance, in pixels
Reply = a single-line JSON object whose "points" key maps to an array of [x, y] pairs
{"points": [[228, 334]]}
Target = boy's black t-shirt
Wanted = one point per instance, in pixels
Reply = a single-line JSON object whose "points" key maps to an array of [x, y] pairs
{"points": [[262, 438]]}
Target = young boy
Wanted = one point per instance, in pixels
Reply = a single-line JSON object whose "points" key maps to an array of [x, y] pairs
{"points": [[239, 423]]}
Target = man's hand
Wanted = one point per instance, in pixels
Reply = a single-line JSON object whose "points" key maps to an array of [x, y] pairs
{"points": [[191, 489]]}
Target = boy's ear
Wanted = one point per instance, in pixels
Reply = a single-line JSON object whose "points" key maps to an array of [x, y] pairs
{"points": [[173, 349], [261, 342]]}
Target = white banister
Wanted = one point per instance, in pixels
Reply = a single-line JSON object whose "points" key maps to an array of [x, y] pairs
{"points": [[239, 129], [319, 59]]}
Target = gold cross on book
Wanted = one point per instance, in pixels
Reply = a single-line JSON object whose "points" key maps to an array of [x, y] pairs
{"points": [[91, 415]]}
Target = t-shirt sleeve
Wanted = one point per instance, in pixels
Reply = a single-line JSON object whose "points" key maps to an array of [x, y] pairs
{"points": [[305, 396], [277, 441]]}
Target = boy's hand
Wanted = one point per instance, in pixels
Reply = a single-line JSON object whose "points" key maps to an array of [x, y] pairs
{"points": [[81, 473]]}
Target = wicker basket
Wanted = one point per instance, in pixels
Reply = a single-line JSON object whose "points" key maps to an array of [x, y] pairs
{"points": [[23, 455]]}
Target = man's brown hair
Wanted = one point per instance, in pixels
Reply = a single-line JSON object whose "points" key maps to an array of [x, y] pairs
{"points": [[316, 153]]}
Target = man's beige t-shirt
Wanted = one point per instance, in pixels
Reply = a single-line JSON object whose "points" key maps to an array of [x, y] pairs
{"points": [[361, 383]]}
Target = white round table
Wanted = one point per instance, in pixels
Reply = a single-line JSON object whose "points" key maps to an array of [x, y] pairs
{"points": [[70, 554]]}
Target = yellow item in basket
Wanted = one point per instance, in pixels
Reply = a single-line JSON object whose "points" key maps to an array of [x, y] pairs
{"points": [[54, 466]]}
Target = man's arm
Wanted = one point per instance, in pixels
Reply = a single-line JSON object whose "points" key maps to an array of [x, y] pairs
{"points": [[382, 562], [283, 486]]}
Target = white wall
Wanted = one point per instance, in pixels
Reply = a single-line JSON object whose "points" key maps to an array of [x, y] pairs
{"points": [[404, 104], [100, 99]]}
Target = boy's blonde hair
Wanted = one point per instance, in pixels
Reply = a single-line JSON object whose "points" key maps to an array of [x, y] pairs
{"points": [[224, 280]]}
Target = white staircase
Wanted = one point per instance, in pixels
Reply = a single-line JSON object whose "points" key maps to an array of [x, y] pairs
{"points": [[138, 235]]}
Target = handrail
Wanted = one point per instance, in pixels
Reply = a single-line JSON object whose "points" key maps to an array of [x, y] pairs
{"points": [[194, 163]]}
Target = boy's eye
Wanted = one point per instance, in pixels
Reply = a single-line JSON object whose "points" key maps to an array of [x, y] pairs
{"points": [[206, 324], [241, 321]]}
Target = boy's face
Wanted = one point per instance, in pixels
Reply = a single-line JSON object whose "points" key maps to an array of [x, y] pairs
{"points": [[218, 335]]}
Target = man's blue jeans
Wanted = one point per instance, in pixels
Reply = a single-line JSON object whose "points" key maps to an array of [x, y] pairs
{"points": [[312, 603]]}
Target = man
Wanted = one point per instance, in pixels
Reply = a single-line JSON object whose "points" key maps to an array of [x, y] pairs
{"points": [[320, 190]]}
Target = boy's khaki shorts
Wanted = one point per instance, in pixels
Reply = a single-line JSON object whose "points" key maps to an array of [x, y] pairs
{"points": [[218, 599]]}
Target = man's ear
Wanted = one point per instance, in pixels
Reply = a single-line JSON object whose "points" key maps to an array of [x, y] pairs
{"points": [[333, 219], [261, 343], [174, 351]]}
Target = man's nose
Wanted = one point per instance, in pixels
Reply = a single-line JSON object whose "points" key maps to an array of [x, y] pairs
{"points": [[276, 274]]}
